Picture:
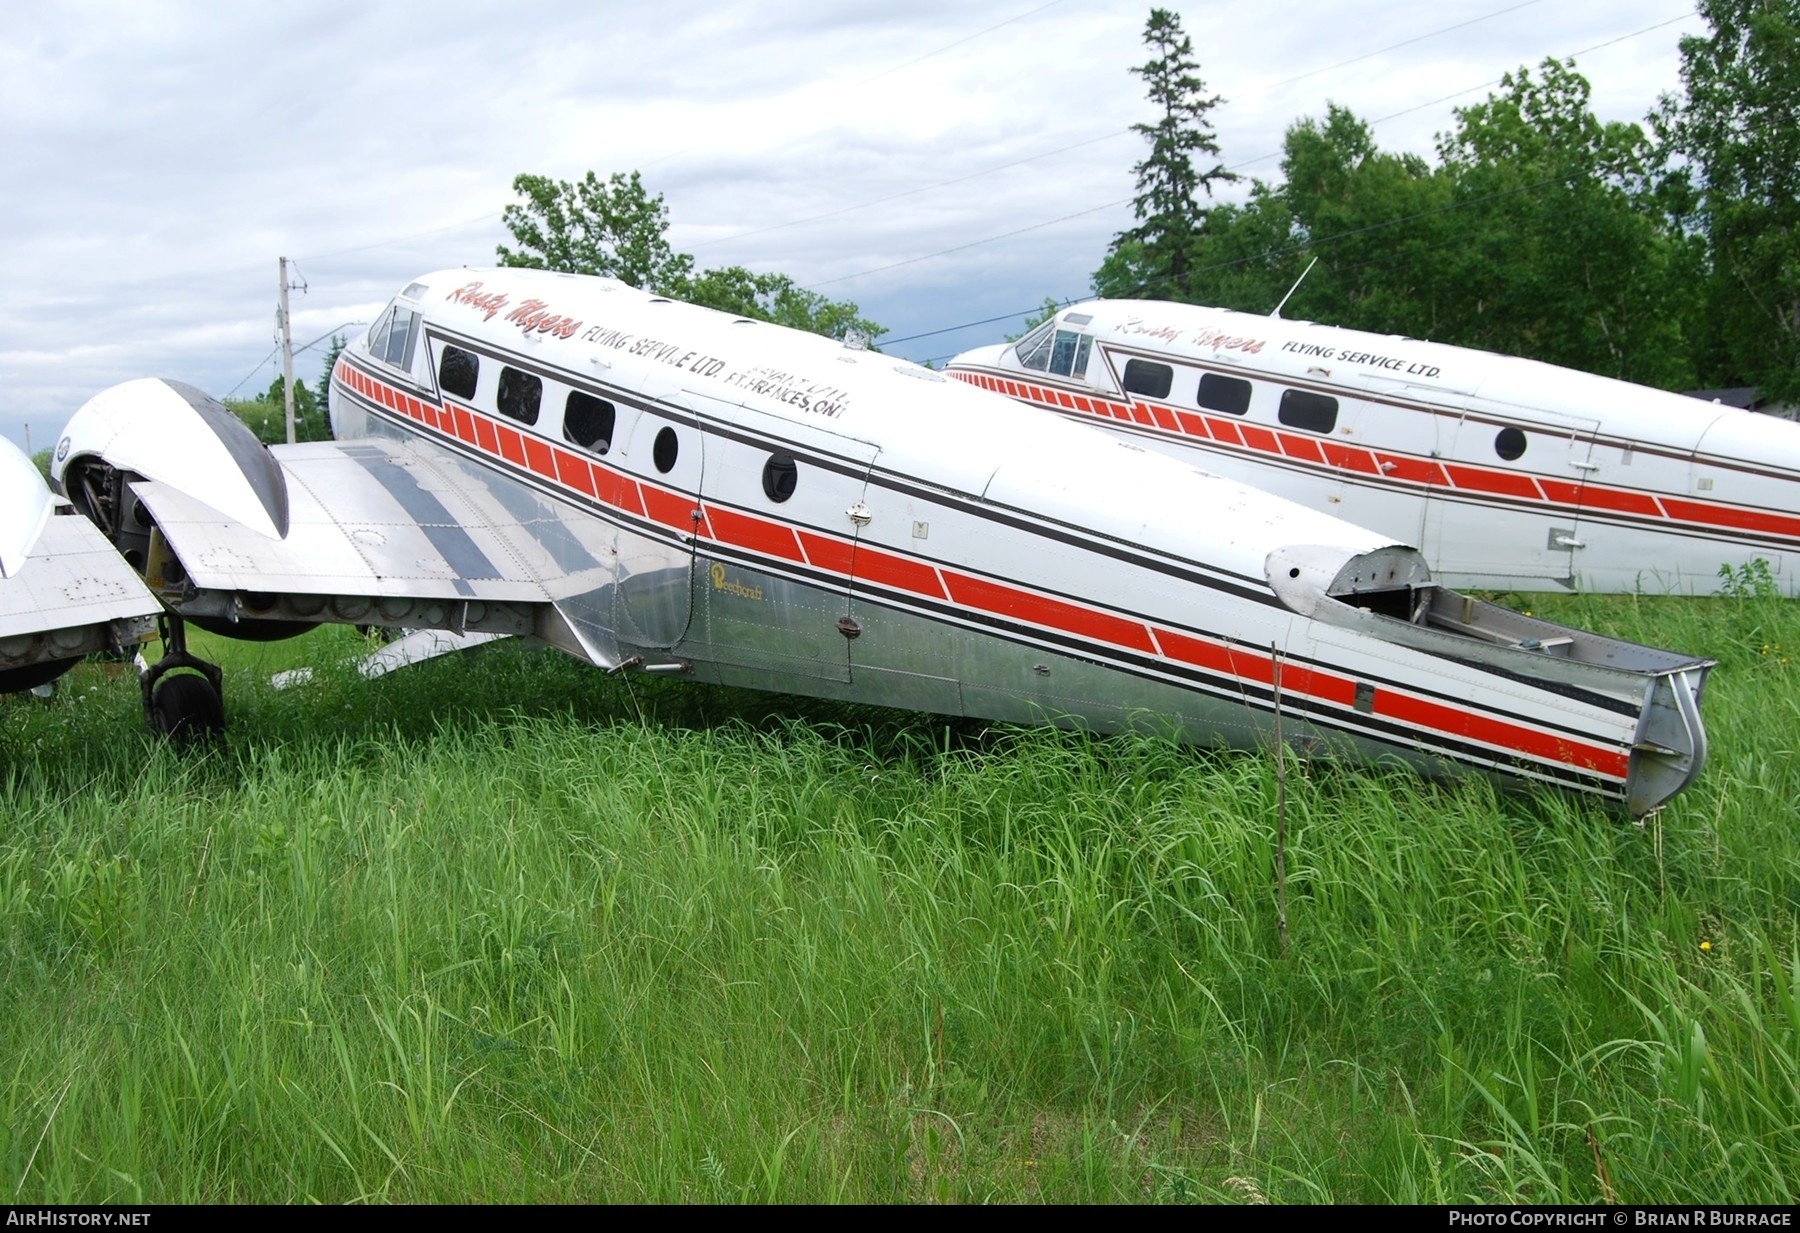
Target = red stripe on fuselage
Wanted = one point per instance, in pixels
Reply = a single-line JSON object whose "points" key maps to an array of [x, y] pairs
{"points": [[1474, 481], [1004, 600]]}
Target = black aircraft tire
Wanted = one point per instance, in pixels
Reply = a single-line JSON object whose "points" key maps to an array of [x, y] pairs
{"points": [[186, 708]]}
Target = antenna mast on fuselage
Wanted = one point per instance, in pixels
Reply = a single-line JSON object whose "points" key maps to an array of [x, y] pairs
{"points": [[1290, 295]]}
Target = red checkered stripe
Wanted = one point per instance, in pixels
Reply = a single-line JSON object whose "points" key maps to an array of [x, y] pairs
{"points": [[1322, 454]]}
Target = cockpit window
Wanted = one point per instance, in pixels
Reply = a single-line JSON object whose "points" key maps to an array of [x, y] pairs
{"points": [[1048, 349], [1033, 343], [392, 336]]}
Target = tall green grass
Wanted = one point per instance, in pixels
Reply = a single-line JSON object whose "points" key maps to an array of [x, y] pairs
{"points": [[504, 929]]}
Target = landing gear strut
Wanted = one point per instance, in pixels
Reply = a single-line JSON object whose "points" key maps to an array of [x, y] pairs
{"points": [[188, 707]]}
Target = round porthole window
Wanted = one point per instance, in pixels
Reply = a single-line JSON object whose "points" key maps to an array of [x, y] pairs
{"points": [[1510, 444], [780, 475], [665, 451]]}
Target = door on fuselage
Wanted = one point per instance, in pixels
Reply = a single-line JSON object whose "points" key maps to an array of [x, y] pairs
{"points": [[653, 597], [774, 563], [1509, 514]]}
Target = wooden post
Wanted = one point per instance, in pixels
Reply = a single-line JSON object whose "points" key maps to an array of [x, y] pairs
{"points": [[1281, 924], [287, 355]]}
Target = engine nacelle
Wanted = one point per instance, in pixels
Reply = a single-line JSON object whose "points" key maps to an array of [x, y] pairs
{"points": [[172, 433], [168, 432], [25, 505]]}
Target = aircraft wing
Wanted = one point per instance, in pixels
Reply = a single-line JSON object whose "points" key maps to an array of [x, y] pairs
{"points": [[64, 591], [385, 532], [70, 578]]}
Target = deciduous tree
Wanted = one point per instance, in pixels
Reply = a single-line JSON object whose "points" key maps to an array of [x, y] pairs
{"points": [[1561, 252], [613, 228], [1734, 138], [616, 229]]}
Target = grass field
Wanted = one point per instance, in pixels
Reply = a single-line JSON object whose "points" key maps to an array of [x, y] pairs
{"points": [[504, 929]]}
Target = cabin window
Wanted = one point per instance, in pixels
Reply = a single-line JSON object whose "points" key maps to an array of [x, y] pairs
{"points": [[1228, 394], [1150, 380], [1510, 444], [780, 477], [1309, 411], [520, 394], [1063, 352], [589, 421], [666, 450], [458, 371]]}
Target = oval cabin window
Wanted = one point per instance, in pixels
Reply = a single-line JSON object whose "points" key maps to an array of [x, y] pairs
{"points": [[780, 477], [1510, 444], [666, 450]]}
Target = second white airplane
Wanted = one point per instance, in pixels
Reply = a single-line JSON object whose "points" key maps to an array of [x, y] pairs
{"points": [[1507, 473]]}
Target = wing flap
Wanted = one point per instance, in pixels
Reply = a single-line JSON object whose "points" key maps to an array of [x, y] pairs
{"points": [[71, 577]]}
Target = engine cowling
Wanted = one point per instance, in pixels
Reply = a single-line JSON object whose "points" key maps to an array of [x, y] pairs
{"points": [[157, 429], [166, 431]]}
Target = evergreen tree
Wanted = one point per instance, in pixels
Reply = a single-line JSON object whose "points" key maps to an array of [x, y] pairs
{"points": [[1169, 184], [322, 390]]}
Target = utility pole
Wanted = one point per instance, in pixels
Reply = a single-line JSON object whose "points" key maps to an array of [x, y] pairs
{"points": [[287, 346], [287, 355]]}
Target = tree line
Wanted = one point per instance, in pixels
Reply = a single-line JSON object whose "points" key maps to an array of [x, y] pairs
{"points": [[1665, 253]]}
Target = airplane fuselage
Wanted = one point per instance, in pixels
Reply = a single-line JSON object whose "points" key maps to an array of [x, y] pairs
{"points": [[759, 507], [1506, 472]]}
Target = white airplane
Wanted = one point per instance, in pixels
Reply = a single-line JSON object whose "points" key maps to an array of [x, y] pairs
{"points": [[64, 592], [651, 486], [1507, 473]]}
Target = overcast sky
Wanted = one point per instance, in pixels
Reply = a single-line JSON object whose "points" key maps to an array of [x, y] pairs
{"points": [[939, 163]]}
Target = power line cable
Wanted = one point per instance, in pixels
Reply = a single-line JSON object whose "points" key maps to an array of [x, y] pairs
{"points": [[971, 244], [342, 325], [1267, 254], [492, 217], [1108, 136], [1420, 38], [913, 192]]}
